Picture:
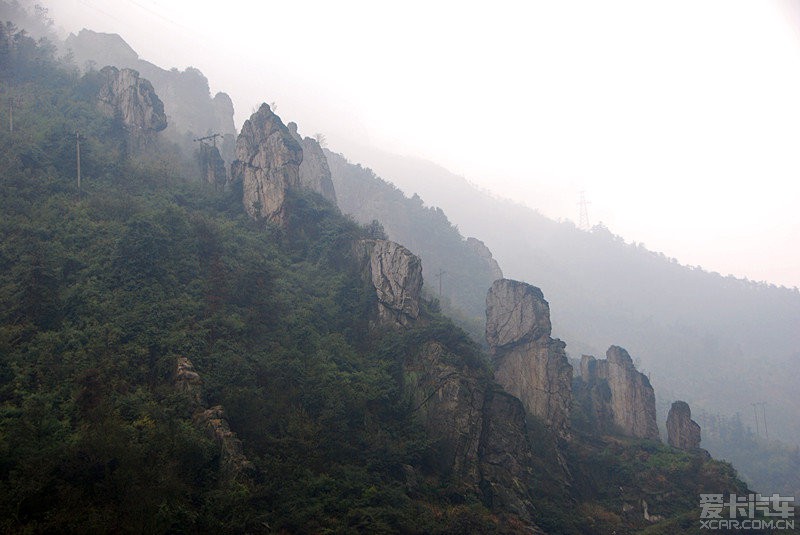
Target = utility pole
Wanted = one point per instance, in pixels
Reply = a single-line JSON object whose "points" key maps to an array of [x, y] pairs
{"points": [[583, 219], [439, 275], [764, 414], [12, 101], [78, 157], [755, 413], [212, 137]]}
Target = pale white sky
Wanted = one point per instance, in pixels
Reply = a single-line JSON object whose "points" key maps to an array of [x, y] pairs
{"points": [[680, 118]]}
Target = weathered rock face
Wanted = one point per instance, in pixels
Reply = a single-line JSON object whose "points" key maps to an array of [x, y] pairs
{"points": [[594, 397], [528, 363], [232, 459], [213, 166], [396, 275], [516, 313], [682, 431], [486, 255], [267, 164], [314, 171], [132, 100], [191, 111], [188, 381], [633, 402], [223, 112], [233, 462], [479, 431]]}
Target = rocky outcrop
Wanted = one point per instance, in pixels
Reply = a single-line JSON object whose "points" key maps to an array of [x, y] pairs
{"points": [[396, 275], [528, 363], [223, 113], [314, 171], [267, 165], [633, 402], [233, 463], [486, 255], [188, 381], [594, 398], [212, 165], [188, 105], [682, 431], [479, 432], [232, 459], [132, 100]]}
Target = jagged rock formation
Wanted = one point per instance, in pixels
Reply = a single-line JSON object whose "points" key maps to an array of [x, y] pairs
{"points": [[486, 255], [127, 97], [188, 381], [479, 431], [633, 402], [188, 105], [267, 165], [232, 459], [314, 171], [682, 431], [529, 363], [212, 165], [594, 398], [396, 275]]}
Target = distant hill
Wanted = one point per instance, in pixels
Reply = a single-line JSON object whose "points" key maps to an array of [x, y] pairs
{"points": [[172, 363], [721, 343]]}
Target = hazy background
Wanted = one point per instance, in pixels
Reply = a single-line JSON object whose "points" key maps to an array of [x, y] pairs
{"points": [[679, 119]]}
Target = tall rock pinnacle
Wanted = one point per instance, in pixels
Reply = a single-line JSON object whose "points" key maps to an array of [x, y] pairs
{"points": [[682, 431], [267, 164], [528, 363]]}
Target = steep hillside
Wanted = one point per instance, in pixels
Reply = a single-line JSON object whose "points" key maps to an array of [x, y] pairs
{"points": [[177, 357], [720, 343], [464, 269]]}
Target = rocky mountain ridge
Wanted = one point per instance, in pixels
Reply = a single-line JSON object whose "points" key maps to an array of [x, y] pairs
{"points": [[350, 421]]}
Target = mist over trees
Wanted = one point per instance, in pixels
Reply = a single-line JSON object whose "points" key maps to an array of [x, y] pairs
{"points": [[720, 343]]}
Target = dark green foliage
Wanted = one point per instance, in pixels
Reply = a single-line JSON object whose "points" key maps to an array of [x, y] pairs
{"points": [[103, 289]]}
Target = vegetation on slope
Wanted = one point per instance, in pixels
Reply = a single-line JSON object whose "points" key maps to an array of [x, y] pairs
{"points": [[103, 289]]}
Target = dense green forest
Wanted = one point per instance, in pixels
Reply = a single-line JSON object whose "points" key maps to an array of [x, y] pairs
{"points": [[106, 288], [103, 289]]}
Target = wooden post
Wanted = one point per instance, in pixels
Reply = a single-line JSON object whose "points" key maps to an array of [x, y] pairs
{"points": [[78, 152]]}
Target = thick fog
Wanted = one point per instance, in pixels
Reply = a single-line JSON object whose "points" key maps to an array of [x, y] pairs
{"points": [[678, 119]]}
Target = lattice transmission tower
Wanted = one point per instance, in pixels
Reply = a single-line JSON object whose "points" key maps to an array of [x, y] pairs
{"points": [[583, 219]]}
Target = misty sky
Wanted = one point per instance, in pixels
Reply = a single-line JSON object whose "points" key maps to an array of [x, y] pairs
{"points": [[680, 119]]}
